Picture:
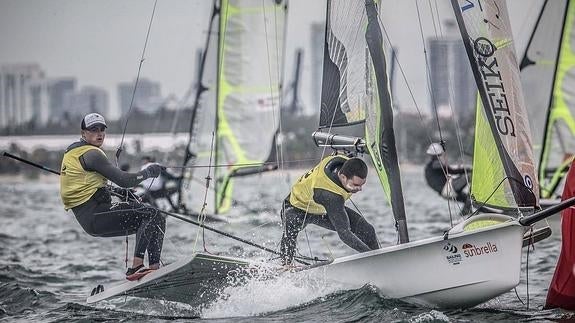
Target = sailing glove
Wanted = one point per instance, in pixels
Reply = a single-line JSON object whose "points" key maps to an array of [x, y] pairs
{"points": [[153, 170]]}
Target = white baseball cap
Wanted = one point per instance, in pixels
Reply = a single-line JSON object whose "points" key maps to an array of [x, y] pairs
{"points": [[92, 119], [435, 149]]}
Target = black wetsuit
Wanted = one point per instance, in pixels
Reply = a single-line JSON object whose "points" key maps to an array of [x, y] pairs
{"points": [[351, 227], [100, 218], [435, 175]]}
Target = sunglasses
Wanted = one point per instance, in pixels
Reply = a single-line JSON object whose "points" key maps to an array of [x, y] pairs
{"points": [[97, 128]]}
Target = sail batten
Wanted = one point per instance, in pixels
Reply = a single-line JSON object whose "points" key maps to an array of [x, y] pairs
{"points": [[504, 170]]}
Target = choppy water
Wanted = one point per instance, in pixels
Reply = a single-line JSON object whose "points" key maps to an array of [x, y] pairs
{"points": [[48, 265]]}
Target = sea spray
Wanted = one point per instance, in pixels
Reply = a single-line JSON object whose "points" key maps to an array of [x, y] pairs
{"points": [[259, 296]]}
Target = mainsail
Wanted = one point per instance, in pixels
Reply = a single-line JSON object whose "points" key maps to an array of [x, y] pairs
{"points": [[504, 173], [355, 89], [549, 85], [239, 119]]}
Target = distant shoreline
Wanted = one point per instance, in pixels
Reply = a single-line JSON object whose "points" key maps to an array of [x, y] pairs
{"points": [[157, 141]]}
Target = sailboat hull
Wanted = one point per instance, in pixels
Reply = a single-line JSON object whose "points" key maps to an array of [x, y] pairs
{"points": [[458, 270], [197, 280], [466, 269]]}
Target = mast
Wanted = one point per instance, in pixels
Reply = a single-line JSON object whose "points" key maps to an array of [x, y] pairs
{"points": [[294, 107], [201, 88], [383, 148], [215, 136]]}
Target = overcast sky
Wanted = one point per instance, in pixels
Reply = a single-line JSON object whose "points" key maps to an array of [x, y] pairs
{"points": [[100, 41]]}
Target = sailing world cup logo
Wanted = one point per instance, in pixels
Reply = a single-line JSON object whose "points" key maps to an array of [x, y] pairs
{"points": [[453, 257], [450, 248]]}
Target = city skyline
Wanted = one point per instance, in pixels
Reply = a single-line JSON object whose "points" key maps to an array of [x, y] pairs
{"points": [[101, 42], [29, 97]]}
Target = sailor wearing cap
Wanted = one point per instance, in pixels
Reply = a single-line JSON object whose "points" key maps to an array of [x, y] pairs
{"points": [[85, 172]]}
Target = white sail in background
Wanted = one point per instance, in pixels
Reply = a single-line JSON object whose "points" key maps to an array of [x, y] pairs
{"points": [[239, 117], [549, 87]]}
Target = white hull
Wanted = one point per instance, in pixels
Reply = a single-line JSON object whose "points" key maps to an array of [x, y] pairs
{"points": [[463, 270], [467, 269]]}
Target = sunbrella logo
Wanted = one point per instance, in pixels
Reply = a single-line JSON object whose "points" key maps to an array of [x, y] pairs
{"points": [[470, 250]]}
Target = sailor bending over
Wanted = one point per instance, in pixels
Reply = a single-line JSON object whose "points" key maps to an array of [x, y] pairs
{"points": [[318, 197], [448, 181], [85, 171]]}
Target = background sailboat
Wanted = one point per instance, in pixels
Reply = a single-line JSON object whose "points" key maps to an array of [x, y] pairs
{"points": [[544, 75], [236, 110], [548, 90]]}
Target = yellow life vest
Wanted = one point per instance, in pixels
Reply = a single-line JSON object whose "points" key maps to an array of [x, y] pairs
{"points": [[76, 184], [301, 195]]}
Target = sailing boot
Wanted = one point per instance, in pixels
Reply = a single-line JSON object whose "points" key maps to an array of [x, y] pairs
{"points": [[137, 273]]}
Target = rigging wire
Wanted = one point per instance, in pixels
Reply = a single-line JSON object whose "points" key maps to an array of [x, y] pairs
{"points": [[409, 88], [529, 246], [444, 164], [428, 76], [202, 216], [120, 147], [222, 32], [200, 89], [279, 73], [235, 202], [436, 17], [295, 161], [484, 203]]}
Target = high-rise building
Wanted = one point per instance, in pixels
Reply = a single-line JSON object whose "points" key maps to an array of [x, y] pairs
{"points": [[16, 81], [58, 90], [147, 98], [88, 99], [317, 44], [453, 87], [40, 101]]}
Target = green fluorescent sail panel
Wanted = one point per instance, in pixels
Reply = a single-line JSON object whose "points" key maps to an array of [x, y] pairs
{"points": [[250, 57]]}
